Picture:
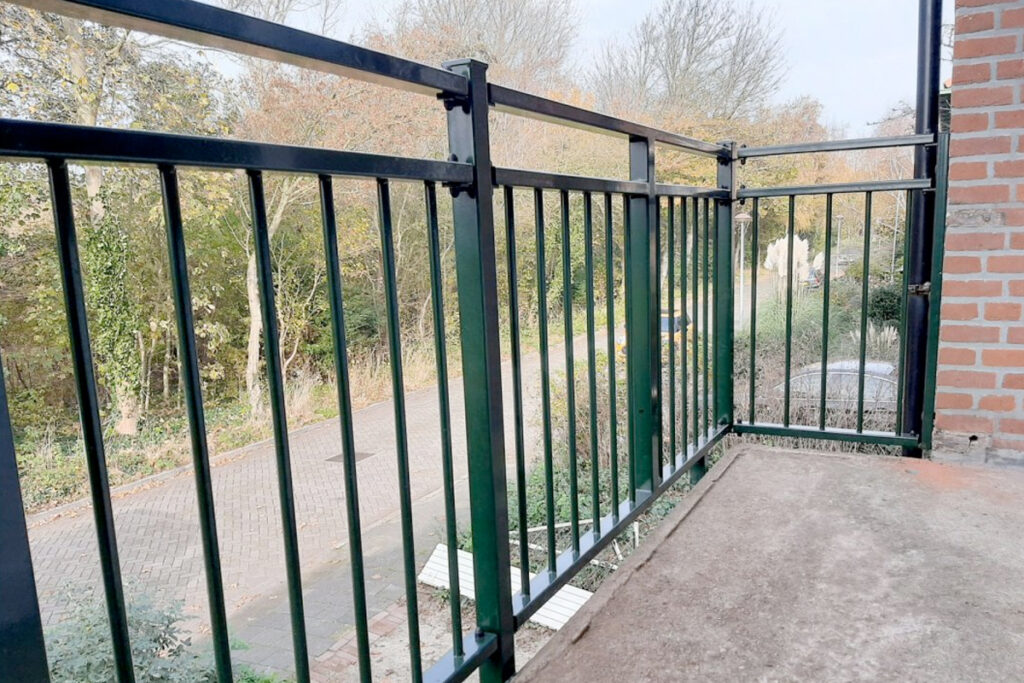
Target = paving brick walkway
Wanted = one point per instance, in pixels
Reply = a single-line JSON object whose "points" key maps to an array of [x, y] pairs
{"points": [[160, 546]]}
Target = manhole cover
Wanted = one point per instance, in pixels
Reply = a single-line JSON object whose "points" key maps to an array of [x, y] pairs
{"points": [[360, 455]]}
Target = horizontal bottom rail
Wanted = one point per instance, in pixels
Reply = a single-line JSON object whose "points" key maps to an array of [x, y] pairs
{"points": [[451, 669], [830, 434], [546, 584]]}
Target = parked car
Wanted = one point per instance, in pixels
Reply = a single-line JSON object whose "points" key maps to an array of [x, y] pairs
{"points": [[841, 386], [670, 329]]}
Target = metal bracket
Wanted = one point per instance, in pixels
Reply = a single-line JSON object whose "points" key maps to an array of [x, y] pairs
{"points": [[923, 289], [451, 101]]}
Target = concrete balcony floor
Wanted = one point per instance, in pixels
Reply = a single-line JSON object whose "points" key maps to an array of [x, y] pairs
{"points": [[788, 565]]}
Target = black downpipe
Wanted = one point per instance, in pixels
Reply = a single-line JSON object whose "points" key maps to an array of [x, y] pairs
{"points": [[922, 220]]}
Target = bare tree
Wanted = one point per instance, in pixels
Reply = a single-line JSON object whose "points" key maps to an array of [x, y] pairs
{"points": [[708, 58]]}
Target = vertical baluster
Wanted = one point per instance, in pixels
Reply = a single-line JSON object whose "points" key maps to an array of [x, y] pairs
{"points": [[89, 414], [826, 289], [441, 358], [545, 376], [570, 376], [401, 437], [609, 266], [275, 381], [754, 256], [517, 389], [628, 314], [595, 482], [345, 423], [706, 424], [191, 382], [904, 283], [671, 220], [865, 286], [697, 323], [789, 309], [683, 346]]}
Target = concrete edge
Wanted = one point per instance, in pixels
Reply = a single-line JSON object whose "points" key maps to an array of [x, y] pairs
{"points": [[580, 623]]}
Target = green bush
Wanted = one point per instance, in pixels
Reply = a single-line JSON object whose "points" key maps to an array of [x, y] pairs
{"points": [[79, 647], [884, 303]]}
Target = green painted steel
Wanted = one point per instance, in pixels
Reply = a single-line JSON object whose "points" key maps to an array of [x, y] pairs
{"points": [[825, 301], [671, 225], [345, 422], [755, 256], [904, 284], [613, 429], [275, 383], [570, 374], [517, 389], [545, 377], [725, 316], [790, 236], [476, 270], [865, 283], [387, 245], [683, 347], [707, 329], [697, 323], [89, 414], [192, 382], [643, 357], [935, 290], [447, 470], [595, 481]]}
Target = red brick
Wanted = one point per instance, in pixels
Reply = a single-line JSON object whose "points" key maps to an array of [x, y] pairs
{"points": [[1011, 426], [998, 404], [982, 97], [1013, 217], [969, 333], [970, 74], [979, 194], [965, 424], [968, 147], [1008, 69], [968, 170], [1003, 358], [1008, 119], [959, 311], [981, 3], [954, 356], [1002, 310], [1017, 240], [1015, 335], [1013, 381], [975, 241], [969, 123], [975, 288], [962, 264], [1009, 169], [948, 401], [1008, 444], [1006, 264], [967, 379], [1016, 288], [966, 48], [1012, 18], [971, 23]]}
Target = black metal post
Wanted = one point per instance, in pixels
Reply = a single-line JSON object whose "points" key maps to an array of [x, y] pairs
{"points": [[922, 219]]}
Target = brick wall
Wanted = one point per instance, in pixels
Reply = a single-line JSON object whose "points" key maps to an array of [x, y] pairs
{"points": [[980, 399]]}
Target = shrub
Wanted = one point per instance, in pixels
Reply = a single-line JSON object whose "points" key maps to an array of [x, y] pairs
{"points": [[884, 303], [79, 647]]}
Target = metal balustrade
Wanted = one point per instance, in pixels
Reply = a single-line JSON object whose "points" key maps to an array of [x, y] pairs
{"points": [[680, 390]]}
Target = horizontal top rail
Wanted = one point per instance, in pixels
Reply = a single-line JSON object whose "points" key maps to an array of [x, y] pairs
{"points": [[558, 181], [836, 145], [31, 139], [670, 190], [838, 188], [196, 22], [532, 106]]}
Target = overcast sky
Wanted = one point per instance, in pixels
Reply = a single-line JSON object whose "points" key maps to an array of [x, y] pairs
{"points": [[856, 57]]}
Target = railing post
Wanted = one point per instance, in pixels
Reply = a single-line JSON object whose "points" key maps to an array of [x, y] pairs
{"points": [[22, 652], [725, 319], [922, 220], [476, 271], [643, 340]]}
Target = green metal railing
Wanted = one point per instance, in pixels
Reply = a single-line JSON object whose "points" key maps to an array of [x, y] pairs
{"points": [[679, 387]]}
